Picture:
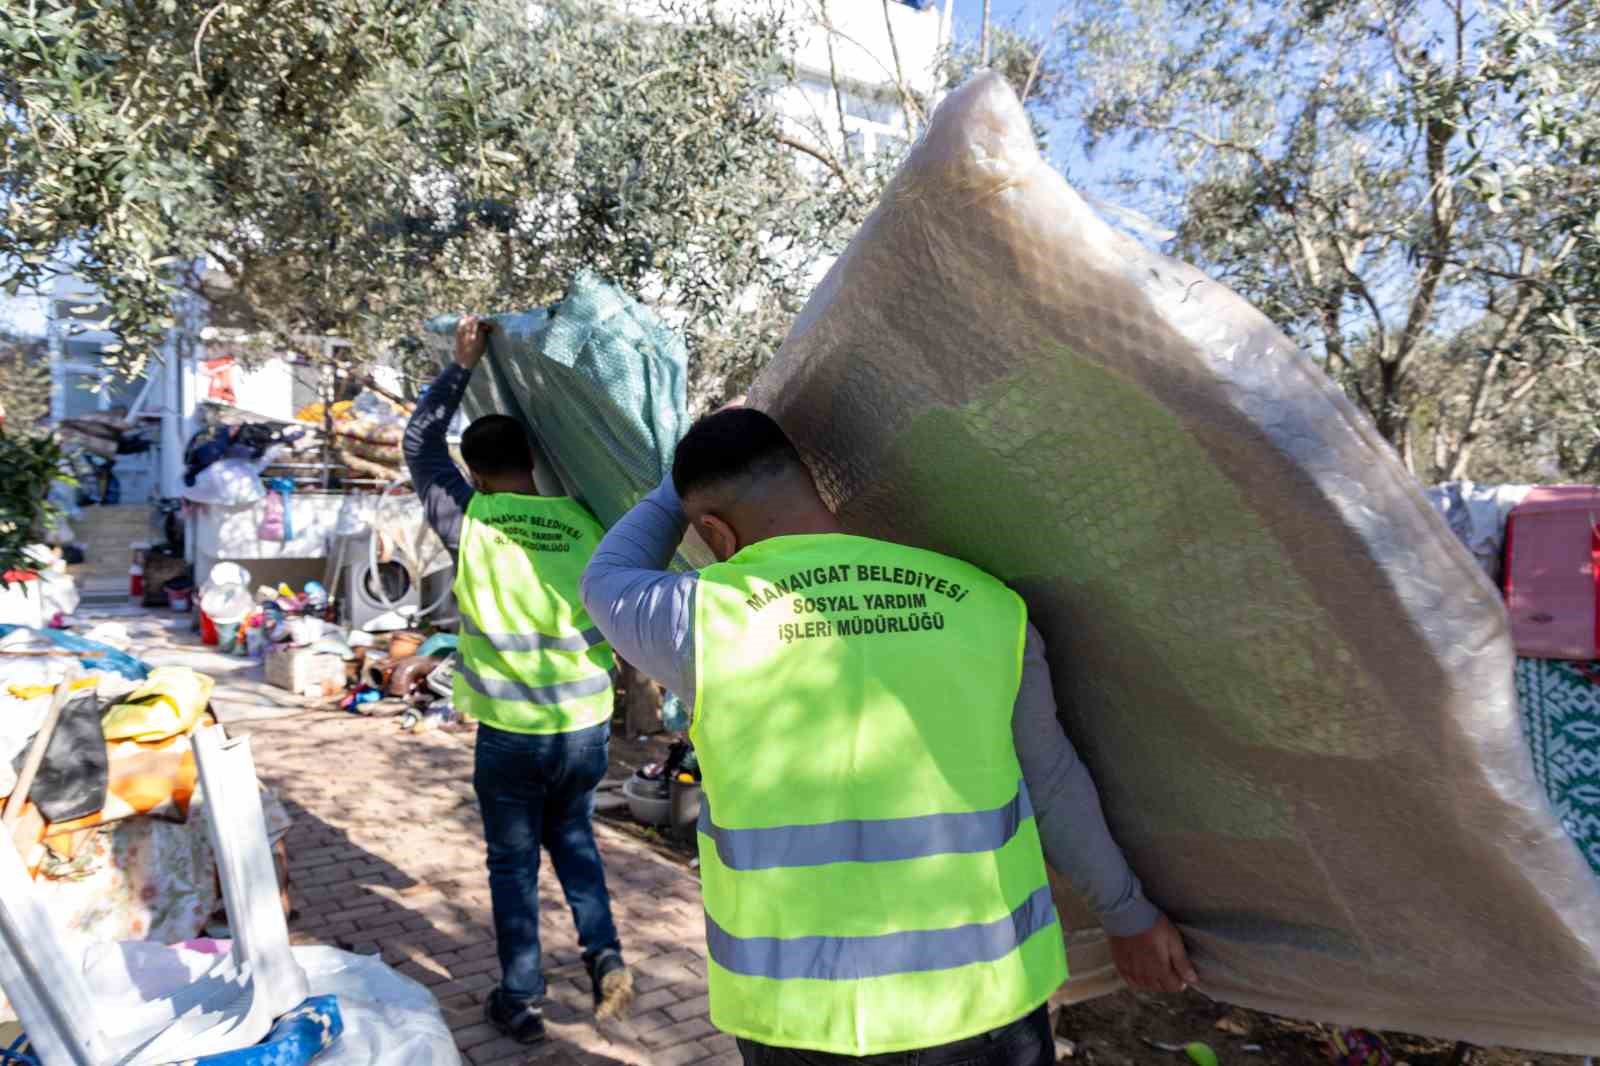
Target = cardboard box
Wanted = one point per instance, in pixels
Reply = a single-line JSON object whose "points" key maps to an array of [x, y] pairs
{"points": [[304, 672]]}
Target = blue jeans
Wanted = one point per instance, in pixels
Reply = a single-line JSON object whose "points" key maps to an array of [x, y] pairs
{"points": [[536, 790]]}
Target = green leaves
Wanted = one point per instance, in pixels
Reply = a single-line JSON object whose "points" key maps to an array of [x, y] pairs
{"points": [[31, 462], [1398, 186], [335, 162]]}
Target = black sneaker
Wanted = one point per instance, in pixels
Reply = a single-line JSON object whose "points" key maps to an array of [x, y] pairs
{"points": [[613, 985], [523, 1023]]}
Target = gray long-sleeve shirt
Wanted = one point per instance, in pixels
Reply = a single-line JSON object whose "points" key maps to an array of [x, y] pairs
{"points": [[647, 613], [441, 488]]}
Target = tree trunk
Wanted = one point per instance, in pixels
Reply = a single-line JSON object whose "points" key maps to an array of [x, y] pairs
{"points": [[1389, 414], [641, 701]]}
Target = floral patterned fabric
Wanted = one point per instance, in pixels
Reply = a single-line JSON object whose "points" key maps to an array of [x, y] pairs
{"points": [[148, 880], [140, 878], [1561, 712]]}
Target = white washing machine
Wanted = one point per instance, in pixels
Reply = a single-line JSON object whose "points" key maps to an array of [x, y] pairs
{"points": [[379, 598]]}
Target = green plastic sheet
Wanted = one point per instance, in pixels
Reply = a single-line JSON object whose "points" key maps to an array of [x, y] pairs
{"points": [[600, 382]]}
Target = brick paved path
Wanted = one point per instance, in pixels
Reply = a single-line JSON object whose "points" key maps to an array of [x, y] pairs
{"points": [[386, 856]]}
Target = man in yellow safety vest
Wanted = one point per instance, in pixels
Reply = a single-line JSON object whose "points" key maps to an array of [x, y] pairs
{"points": [[884, 773], [535, 673]]}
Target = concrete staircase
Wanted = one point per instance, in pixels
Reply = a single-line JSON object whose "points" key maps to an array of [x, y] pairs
{"points": [[105, 534]]}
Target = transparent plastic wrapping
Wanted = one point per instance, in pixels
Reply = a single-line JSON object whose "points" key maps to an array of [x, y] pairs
{"points": [[1293, 685]]}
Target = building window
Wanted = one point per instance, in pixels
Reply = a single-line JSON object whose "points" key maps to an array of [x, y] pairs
{"points": [[883, 112]]}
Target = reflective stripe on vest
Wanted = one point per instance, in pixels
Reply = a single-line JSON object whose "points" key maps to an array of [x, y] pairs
{"points": [[531, 661], [589, 638], [865, 841], [823, 958], [885, 840], [496, 689]]}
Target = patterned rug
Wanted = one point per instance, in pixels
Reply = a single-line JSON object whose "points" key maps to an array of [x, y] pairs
{"points": [[1561, 711]]}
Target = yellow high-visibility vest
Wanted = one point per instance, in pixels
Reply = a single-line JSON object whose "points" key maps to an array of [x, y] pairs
{"points": [[531, 661], [871, 868]]}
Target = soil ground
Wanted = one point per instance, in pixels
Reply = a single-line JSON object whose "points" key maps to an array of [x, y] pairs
{"points": [[1113, 1030]]}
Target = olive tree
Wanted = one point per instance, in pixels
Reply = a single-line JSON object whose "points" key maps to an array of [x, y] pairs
{"points": [[1411, 189], [348, 167]]}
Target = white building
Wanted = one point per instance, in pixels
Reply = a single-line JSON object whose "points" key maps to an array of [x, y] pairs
{"points": [[166, 399], [870, 51], [867, 48]]}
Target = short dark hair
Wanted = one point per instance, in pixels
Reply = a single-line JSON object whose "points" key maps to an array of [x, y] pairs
{"points": [[496, 444], [737, 443]]}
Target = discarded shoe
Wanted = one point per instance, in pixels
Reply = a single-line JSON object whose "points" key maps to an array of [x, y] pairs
{"points": [[613, 986]]}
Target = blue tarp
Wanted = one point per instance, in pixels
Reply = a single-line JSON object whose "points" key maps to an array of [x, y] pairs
{"points": [[106, 658]]}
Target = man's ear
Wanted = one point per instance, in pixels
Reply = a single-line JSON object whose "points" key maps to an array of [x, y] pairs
{"points": [[718, 535]]}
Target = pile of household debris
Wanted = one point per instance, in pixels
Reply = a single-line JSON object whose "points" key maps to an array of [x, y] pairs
{"points": [[232, 461], [364, 433], [404, 673], [104, 764], [94, 442], [43, 595]]}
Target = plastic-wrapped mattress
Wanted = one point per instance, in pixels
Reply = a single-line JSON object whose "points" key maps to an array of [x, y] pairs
{"points": [[1293, 686]]}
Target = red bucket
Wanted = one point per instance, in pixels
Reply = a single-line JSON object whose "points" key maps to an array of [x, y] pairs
{"points": [[208, 629]]}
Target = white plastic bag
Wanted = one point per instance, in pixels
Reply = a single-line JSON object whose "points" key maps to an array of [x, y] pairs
{"points": [[113, 633], [389, 1019], [59, 593], [227, 604], [228, 482], [228, 574], [1477, 516], [22, 604]]}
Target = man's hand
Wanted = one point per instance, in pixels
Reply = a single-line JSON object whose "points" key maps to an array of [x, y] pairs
{"points": [[472, 338], [1155, 960]]}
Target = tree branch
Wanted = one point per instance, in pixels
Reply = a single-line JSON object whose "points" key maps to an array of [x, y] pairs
{"points": [[200, 34], [1466, 442], [1333, 330], [1490, 272], [833, 77], [1253, 151], [912, 111], [828, 25], [1526, 280], [1460, 28], [1359, 284], [1038, 58], [1441, 212], [371, 382], [816, 153]]}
